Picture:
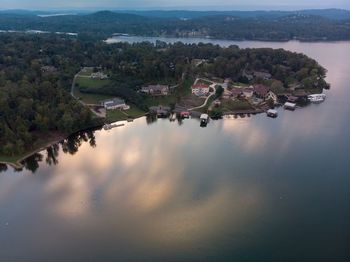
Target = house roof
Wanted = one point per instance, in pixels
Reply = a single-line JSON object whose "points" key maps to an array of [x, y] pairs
{"points": [[199, 86], [236, 91], [155, 87], [261, 90], [248, 89], [114, 102]]}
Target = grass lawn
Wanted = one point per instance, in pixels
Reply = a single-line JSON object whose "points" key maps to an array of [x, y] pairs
{"points": [[228, 105], [90, 98], [161, 100], [118, 115], [88, 82], [11, 159], [201, 81], [86, 73], [205, 108], [240, 84]]}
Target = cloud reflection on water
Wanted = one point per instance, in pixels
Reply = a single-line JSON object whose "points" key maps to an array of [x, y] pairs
{"points": [[145, 181]]}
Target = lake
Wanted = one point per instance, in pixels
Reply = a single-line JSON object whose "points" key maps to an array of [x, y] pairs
{"points": [[241, 189]]}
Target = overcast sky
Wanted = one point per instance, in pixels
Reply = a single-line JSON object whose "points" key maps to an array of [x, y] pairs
{"points": [[174, 4]]}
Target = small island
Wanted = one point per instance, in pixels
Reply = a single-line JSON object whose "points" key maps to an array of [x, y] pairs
{"points": [[54, 85]]}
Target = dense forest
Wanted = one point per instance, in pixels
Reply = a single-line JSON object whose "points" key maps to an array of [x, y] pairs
{"points": [[32, 102], [280, 26], [36, 73]]}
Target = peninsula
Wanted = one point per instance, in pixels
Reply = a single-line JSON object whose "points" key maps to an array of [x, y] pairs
{"points": [[53, 85]]}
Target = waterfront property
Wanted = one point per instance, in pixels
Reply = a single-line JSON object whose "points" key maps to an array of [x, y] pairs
{"points": [[316, 98], [115, 103], [200, 89], [271, 96], [156, 90], [160, 111], [99, 75], [248, 92], [261, 91], [263, 75]]}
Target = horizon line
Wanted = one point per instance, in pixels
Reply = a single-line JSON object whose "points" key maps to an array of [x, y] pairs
{"points": [[97, 9]]}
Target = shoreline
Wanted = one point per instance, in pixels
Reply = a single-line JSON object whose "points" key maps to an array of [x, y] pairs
{"points": [[109, 40], [17, 163]]}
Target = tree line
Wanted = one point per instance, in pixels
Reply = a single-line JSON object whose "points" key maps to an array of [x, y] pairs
{"points": [[100, 25]]}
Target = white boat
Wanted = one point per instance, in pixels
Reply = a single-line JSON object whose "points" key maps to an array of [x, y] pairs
{"points": [[272, 113], [316, 98], [204, 119], [289, 106]]}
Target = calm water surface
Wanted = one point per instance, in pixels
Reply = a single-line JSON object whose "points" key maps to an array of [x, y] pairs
{"points": [[246, 189]]}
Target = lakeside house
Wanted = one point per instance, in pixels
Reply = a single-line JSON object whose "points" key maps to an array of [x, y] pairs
{"points": [[156, 90], [200, 89], [271, 95], [48, 69], [263, 75], [291, 98], [248, 92], [235, 92], [115, 103], [261, 91], [161, 111], [99, 75]]}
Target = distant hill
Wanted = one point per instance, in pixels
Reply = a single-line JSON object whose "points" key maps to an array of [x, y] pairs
{"points": [[335, 14], [306, 25]]}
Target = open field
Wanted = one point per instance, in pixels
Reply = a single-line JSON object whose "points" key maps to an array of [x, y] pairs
{"points": [[119, 115], [90, 98], [87, 82], [87, 98]]}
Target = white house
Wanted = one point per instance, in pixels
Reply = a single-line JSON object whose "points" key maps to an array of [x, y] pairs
{"points": [[115, 103], [271, 95], [156, 90], [99, 75], [248, 92], [200, 89]]}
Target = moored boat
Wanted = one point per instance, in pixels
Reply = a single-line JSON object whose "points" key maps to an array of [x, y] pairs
{"points": [[290, 106], [204, 119], [272, 113], [316, 98]]}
